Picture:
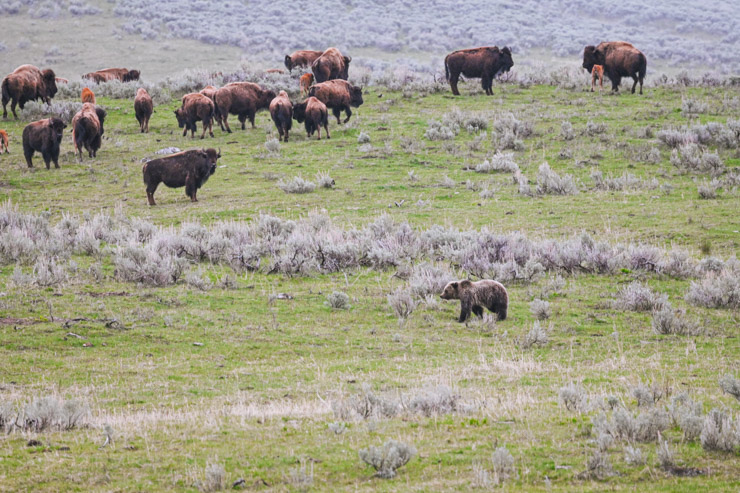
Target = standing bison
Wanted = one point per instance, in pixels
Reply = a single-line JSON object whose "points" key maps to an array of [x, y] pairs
{"points": [[281, 111], [196, 107], [301, 58], [338, 95], [243, 99], [27, 83], [87, 96], [619, 59], [87, 129], [44, 136], [210, 93], [105, 75], [315, 114], [143, 107], [486, 62], [331, 65], [189, 169]]}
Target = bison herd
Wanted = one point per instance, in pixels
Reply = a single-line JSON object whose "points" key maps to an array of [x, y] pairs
{"points": [[325, 87]]}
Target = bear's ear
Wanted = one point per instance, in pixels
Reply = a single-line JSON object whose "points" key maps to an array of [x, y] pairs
{"points": [[466, 282], [454, 284]]}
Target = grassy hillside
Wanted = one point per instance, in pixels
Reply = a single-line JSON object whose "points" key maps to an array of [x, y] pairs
{"points": [[234, 357]]}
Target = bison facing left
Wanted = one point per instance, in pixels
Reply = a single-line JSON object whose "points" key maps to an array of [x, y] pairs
{"points": [[486, 62], [189, 169], [27, 83]]}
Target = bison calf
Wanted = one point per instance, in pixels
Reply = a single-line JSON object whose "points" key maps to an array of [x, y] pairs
{"points": [[281, 111], [338, 95], [4, 142], [196, 107], [597, 72], [305, 82], [27, 83], [143, 107], [44, 136], [87, 129], [189, 169], [315, 115], [88, 96]]}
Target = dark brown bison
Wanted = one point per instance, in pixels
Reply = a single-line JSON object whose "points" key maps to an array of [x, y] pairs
{"points": [[27, 83], [243, 99], [315, 115], [281, 111], [301, 58], [105, 75], [196, 107], [331, 65], [619, 59], [87, 129], [210, 93], [486, 62], [338, 95], [44, 136], [143, 107], [189, 169]]}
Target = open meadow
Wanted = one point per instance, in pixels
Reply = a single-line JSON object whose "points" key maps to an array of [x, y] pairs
{"points": [[290, 319]]}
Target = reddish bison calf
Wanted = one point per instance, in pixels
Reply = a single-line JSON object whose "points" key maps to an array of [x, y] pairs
{"points": [[331, 65], [486, 62], [315, 114], [196, 107], [597, 72], [44, 136], [338, 95], [88, 96], [301, 58], [619, 59], [243, 99], [281, 111], [143, 107], [27, 83], [87, 129], [305, 82], [4, 142], [189, 169]]}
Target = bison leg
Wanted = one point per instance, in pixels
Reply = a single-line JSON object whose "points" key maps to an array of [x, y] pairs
{"points": [[454, 77], [150, 198], [337, 113], [150, 189], [28, 154], [242, 119], [251, 115], [485, 82], [190, 188], [349, 113], [225, 118], [47, 158], [12, 108], [55, 157], [615, 83], [326, 127], [5, 108]]}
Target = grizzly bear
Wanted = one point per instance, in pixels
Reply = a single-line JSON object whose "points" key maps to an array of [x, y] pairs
{"points": [[476, 295]]}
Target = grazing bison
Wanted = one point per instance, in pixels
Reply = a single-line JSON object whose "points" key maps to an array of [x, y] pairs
{"points": [[143, 107], [243, 99], [486, 62], [338, 95], [43, 136], [196, 107], [87, 129], [210, 93], [597, 72], [88, 96], [331, 65], [619, 59], [315, 114], [189, 169], [27, 83], [305, 82], [281, 111], [4, 142], [122, 74], [301, 58]]}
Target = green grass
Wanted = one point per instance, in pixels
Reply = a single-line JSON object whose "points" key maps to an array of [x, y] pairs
{"points": [[255, 397]]}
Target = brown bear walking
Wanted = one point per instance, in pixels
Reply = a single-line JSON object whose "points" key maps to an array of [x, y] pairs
{"points": [[476, 295]]}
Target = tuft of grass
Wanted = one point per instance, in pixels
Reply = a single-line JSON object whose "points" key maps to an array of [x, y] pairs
{"points": [[386, 460]]}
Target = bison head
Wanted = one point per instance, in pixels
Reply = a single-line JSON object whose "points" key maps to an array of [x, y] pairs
{"points": [[101, 116], [50, 82], [505, 60], [355, 96], [288, 63], [57, 127], [131, 75], [181, 118], [591, 57], [212, 156], [299, 112]]}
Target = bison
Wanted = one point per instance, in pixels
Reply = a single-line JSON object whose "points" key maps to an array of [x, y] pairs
{"points": [[143, 107], [301, 58], [87, 129], [4, 142], [44, 136], [331, 65], [88, 96], [105, 75], [305, 82], [619, 59], [196, 107], [189, 169], [315, 115], [27, 83], [61, 80], [210, 93], [281, 111], [338, 95], [486, 62], [597, 72], [243, 99]]}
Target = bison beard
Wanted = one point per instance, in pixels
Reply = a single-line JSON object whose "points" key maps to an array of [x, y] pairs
{"points": [[27, 83], [338, 95], [44, 136], [619, 59], [315, 115], [189, 169], [281, 111], [486, 62], [87, 129]]}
